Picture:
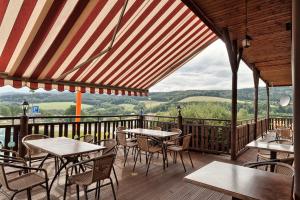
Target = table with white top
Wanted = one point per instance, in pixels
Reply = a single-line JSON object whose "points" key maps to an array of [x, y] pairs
{"points": [[63, 147], [272, 147], [242, 182], [160, 135]]}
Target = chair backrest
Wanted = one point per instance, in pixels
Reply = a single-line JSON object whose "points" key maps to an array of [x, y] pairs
{"points": [[285, 169], [142, 142], [88, 138], [285, 133], [156, 128], [102, 167], [121, 137], [110, 145], [175, 130], [186, 141], [121, 128], [30, 149]]}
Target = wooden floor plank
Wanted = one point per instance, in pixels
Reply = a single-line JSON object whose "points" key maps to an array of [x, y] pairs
{"points": [[158, 185]]}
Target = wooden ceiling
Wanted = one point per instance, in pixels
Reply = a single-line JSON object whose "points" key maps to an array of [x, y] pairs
{"points": [[270, 50]]}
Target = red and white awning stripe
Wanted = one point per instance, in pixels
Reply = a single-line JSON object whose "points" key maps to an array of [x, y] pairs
{"points": [[42, 39]]}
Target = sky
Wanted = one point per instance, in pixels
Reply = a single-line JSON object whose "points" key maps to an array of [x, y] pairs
{"points": [[208, 70]]}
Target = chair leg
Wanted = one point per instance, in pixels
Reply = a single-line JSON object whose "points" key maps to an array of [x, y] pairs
{"points": [[85, 192], [149, 161], [113, 189], [29, 194], [180, 154], [99, 188], [47, 190], [66, 187], [191, 159], [114, 171], [77, 191], [126, 155], [135, 160]]}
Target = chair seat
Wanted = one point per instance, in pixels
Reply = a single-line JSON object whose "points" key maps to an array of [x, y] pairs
{"points": [[37, 156], [131, 144], [169, 143], [175, 148], [25, 181], [131, 140], [82, 179], [154, 149]]}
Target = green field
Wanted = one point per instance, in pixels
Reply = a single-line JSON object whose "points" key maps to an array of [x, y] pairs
{"points": [[206, 99], [58, 105], [128, 107], [151, 104]]}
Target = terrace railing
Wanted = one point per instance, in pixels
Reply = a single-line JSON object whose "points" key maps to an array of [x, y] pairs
{"points": [[208, 135]]}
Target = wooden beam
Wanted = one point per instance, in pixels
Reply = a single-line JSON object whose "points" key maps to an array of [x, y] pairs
{"points": [[256, 82], [235, 55], [296, 90], [207, 21]]}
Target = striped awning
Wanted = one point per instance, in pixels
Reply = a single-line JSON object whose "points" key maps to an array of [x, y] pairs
{"points": [[98, 46]]}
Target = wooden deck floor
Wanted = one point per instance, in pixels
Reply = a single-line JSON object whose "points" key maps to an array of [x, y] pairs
{"points": [[158, 185]]}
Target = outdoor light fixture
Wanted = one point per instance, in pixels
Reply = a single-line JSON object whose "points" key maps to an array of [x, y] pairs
{"points": [[246, 41], [179, 110], [25, 106], [142, 111]]}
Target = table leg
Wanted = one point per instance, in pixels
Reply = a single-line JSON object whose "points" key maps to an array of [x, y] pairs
{"points": [[163, 154], [273, 156], [69, 160], [44, 159]]}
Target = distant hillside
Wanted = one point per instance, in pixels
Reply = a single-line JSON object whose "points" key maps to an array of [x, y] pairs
{"points": [[175, 96]]}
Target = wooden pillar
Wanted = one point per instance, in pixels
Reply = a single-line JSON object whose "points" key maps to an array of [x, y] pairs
{"points": [[268, 107], [23, 132], [296, 90], [235, 55], [78, 105], [256, 81]]}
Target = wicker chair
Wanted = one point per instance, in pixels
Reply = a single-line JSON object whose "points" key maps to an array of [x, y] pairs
{"points": [[284, 134], [143, 145], [264, 155], [23, 182], [110, 145], [127, 145], [100, 171], [156, 128], [183, 148], [86, 138], [173, 138], [279, 168], [121, 129], [12, 157], [35, 154]]}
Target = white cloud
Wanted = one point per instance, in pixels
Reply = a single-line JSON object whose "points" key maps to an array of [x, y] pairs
{"points": [[208, 70]]}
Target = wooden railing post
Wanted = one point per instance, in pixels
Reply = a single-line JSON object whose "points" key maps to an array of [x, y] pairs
{"points": [[268, 107], [23, 132], [179, 119], [141, 119]]}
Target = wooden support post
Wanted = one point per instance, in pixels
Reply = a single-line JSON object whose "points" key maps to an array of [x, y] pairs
{"points": [[256, 81], [78, 105], [268, 107], [235, 55], [296, 90], [23, 132]]}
